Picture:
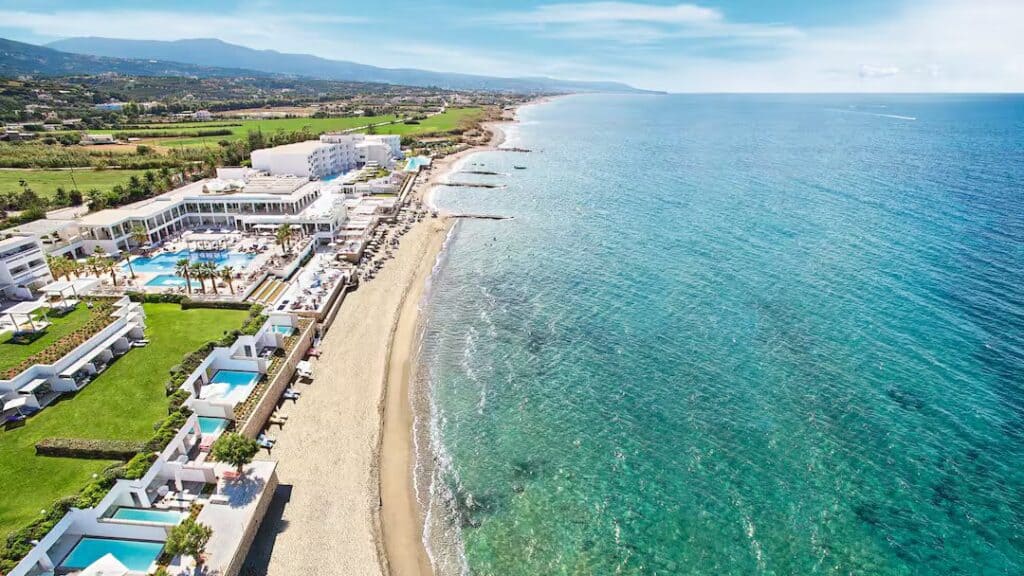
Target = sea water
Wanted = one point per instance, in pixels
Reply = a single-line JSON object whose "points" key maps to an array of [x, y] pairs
{"points": [[733, 335]]}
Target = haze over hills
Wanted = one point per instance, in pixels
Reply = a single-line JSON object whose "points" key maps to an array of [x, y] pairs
{"points": [[18, 58], [220, 54]]}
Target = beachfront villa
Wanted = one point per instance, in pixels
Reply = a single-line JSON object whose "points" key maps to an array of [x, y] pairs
{"points": [[237, 388]]}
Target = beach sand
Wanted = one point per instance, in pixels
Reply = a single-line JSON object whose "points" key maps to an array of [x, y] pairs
{"points": [[325, 517], [346, 502]]}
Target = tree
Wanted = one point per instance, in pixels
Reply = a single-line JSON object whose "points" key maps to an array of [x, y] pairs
{"points": [[140, 236], [284, 235], [189, 539], [183, 268], [75, 198], [235, 449], [227, 274], [210, 271]]}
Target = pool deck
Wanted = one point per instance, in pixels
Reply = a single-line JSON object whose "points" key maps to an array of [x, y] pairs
{"points": [[235, 523]]}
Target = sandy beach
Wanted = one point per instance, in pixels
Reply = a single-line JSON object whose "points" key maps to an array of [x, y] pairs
{"points": [[346, 504], [324, 519]]}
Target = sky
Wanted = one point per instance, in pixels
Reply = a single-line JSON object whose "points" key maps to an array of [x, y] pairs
{"points": [[712, 46]]}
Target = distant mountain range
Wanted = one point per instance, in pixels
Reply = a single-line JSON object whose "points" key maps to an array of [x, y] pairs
{"points": [[18, 58], [216, 58]]}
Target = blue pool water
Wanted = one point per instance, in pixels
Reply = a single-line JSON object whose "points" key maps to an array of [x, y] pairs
{"points": [[149, 515], [165, 263], [285, 330], [136, 555], [415, 162], [169, 280], [208, 425], [235, 378]]}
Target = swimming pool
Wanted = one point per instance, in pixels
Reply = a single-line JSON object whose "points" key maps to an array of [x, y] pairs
{"points": [[169, 280], [136, 555], [166, 262], [284, 330], [231, 385], [415, 162], [149, 515], [208, 425]]}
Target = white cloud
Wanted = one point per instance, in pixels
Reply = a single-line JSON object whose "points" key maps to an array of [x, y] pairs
{"points": [[869, 71], [635, 23]]}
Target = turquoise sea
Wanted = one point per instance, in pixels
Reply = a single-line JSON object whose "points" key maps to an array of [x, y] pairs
{"points": [[733, 335]]}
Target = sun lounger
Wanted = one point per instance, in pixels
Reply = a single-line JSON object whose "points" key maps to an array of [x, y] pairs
{"points": [[230, 475], [219, 499]]}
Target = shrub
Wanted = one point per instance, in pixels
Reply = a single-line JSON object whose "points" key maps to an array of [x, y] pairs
{"points": [[166, 431], [176, 400], [138, 466], [88, 448], [187, 304]]}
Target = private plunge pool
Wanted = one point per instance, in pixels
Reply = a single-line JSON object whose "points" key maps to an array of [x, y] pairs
{"points": [[284, 330], [231, 385], [136, 555], [209, 426], [149, 515]]}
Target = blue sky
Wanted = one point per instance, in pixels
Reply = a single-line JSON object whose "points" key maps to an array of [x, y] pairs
{"points": [[724, 45]]}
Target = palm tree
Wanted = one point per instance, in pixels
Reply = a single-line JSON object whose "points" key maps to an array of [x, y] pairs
{"points": [[199, 273], [110, 265], [139, 235], [226, 274], [183, 268], [210, 269], [58, 267], [284, 235]]}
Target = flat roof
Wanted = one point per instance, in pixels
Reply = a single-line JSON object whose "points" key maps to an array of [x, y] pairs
{"points": [[42, 226]]}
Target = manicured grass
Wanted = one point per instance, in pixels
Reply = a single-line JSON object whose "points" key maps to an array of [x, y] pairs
{"points": [[45, 182], [450, 120], [122, 403], [11, 354]]}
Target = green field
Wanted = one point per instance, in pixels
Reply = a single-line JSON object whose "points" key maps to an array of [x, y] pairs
{"points": [[122, 403], [45, 182], [241, 128], [450, 120]]}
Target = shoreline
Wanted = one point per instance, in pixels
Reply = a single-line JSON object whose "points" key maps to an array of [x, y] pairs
{"points": [[400, 525]]}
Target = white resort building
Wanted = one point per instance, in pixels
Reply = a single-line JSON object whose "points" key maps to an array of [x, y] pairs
{"points": [[331, 154]]}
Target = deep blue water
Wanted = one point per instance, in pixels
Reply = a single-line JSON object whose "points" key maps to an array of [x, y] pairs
{"points": [[735, 335]]}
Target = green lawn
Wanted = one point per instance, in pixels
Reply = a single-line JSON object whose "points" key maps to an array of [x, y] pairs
{"points": [[11, 354], [122, 403], [451, 119], [45, 182]]}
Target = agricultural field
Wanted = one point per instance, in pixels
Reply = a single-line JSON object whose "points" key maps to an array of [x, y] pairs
{"points": [[46, 182], [240, 128], [451, 119]]}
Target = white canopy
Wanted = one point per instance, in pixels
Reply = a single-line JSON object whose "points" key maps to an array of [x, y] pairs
{"points": [[106, 565], [16, 403]]}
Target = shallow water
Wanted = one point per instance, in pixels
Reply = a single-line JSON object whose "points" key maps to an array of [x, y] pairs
{"points": [[734, 335]]}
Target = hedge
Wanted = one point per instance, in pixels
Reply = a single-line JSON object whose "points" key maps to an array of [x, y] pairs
{"points": [[88, 448], [188, 303]]}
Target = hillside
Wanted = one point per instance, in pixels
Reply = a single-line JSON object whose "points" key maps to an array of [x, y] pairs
{"points": [[216, 53], [19, 58]]}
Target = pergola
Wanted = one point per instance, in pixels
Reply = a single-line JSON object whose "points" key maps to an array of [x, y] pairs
{"points": [[57, 293], [24, 311]]}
